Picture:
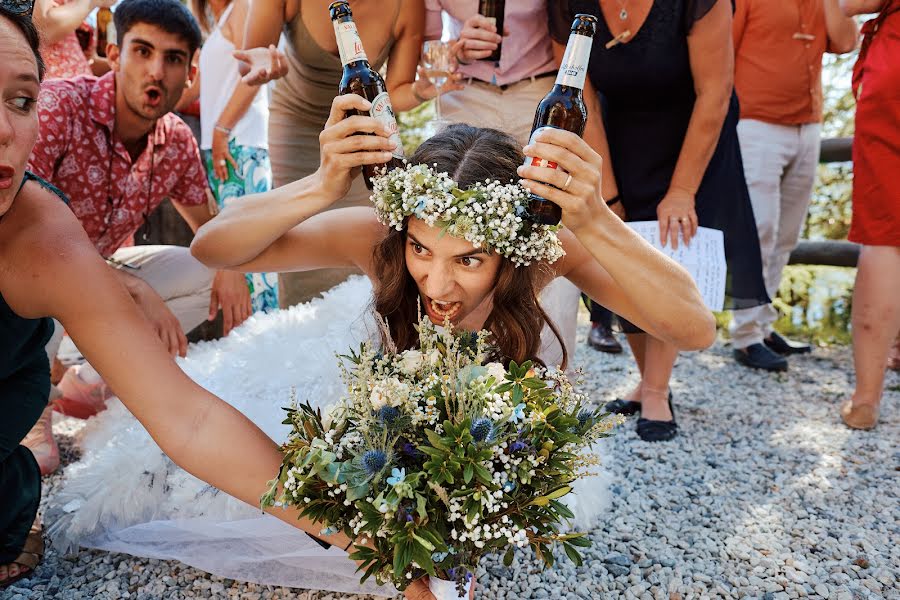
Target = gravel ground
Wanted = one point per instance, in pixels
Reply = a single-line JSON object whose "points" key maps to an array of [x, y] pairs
{"points": [[764, 495]]}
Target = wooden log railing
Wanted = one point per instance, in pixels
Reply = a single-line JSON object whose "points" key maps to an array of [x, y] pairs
{"points": [[833, 253]]}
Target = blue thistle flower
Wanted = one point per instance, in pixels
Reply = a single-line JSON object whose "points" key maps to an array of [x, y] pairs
{"points": [[373, 461], [517, 446], [388, 414], [482, 429], [584, 416]]}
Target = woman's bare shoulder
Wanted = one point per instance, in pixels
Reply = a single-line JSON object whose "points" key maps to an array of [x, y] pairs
{"points": [[41, 243]]}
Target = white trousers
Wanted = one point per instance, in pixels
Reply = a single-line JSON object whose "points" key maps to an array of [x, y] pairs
{"points": [[780, 169], [183, 282], [484, 105]]}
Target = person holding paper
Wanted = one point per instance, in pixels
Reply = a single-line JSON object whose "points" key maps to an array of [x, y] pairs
{"points": [[668, 139]]}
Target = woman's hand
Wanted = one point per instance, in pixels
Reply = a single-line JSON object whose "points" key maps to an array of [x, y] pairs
{"points": [[676, 213], [477, 40], [221, 155], [261, 65], [575, 184], [425, 89], [343, 151]]}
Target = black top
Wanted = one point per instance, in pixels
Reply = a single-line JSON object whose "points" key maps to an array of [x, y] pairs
{"points": [[647, 90]]}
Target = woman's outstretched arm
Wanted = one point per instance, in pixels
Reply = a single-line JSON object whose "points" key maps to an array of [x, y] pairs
{"points": [[605, 258], [281, 230], [201, 433]]}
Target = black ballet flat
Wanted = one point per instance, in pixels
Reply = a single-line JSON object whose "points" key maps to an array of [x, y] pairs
{"points": [[658, 431], [623, 407]]}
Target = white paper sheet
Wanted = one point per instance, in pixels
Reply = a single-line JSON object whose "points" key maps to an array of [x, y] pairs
{"points": [[704, 259]]}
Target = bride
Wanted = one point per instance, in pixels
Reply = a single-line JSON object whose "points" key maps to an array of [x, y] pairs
{"points": [[471, 261]]}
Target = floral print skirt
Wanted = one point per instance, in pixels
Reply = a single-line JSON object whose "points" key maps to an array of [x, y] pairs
{"points": [[253, 175]]}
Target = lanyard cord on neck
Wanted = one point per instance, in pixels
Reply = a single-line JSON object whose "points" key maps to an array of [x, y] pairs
{"points": [[148, 188]]}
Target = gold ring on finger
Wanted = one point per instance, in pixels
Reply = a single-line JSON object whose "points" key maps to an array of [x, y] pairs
{"points": [[566, 184]]}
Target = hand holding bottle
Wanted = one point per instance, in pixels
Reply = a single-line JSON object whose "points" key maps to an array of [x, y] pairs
{"points": [[574, 184], [478, 39], [343, 151]]}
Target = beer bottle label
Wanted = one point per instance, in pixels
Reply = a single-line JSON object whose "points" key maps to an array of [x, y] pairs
{"points": [[349, 45], [383, 112], [574, 65], [536, 161]]}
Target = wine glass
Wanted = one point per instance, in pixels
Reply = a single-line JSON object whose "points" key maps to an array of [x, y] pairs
{"points": [[437, 59]]}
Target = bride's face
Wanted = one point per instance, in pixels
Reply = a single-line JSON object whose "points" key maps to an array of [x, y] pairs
{"points": [[455, 279]]}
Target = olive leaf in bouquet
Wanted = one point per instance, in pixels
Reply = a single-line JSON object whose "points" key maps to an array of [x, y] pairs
{"points": [[439, 455]]}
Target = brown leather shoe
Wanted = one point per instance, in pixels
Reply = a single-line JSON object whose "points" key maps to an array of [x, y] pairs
{"points": [[863, 416], [602, 339]]}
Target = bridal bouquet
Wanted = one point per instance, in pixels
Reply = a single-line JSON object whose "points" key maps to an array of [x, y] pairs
{"points": [[435, 456]]}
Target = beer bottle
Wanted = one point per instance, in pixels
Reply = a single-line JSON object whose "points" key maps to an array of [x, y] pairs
{"points": [[494, 9], [563, 107], [104, 19], [360, 78]]}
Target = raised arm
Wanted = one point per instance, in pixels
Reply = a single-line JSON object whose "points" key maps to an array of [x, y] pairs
{"points": [[281, 230], [401, 70], [605, 258], [843, 34], [56, 20]]}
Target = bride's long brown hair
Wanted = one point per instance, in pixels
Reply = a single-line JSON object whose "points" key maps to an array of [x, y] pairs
{"points": [[469, 154]]}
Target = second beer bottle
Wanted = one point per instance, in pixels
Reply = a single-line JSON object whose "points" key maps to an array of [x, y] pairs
{"points": [[361, 79], [563, 107]]}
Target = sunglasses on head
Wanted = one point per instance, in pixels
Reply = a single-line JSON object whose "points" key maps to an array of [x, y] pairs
{"points": [[18, 7]]}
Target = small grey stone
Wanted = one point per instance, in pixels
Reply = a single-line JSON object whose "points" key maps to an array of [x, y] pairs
{"points": [[617, 558]]}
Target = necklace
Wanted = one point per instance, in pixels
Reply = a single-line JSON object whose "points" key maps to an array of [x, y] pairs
{"points": [[623, 12]]}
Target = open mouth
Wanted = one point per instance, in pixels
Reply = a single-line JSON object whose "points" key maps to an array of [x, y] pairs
{"points": [[6, 177], [154, 96], [441, 311]]}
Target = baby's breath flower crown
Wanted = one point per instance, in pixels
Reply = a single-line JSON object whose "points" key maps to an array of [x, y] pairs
{"points": [[489, 215]]}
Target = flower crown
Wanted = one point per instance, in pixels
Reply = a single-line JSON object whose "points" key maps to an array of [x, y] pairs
{"points": [[489, 215]]}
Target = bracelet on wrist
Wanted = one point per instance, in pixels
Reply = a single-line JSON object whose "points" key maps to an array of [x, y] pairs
{"points": [[222, 129], [614, 200]]}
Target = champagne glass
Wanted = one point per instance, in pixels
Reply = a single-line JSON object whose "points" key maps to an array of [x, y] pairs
{"points": [[437, 59]]}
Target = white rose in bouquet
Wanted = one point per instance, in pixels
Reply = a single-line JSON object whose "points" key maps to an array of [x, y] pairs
{"points": [[411, 361]]}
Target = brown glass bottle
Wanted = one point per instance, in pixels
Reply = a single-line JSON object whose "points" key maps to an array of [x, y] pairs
{"points": [[361, 79], [494, 9], [104, 18], [563, 107]]}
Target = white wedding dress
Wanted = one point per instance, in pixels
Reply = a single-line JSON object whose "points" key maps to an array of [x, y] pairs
{"points": [[125, 495]]}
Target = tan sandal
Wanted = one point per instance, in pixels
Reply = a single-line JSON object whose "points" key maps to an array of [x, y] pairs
{"points": [[863, 416], [30, 557]]}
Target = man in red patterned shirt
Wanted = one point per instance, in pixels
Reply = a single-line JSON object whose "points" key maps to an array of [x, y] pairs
{"points": [[115, 149]]}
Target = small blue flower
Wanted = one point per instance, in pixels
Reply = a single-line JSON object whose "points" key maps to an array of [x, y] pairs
{"points": [[517, 446], [388, 414], [439, 556], [518, 412], [373, 461], [482, 429], [509, 486], [409, 450], [421, 205], [409, 518], [397, 476], [330, 530]]}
